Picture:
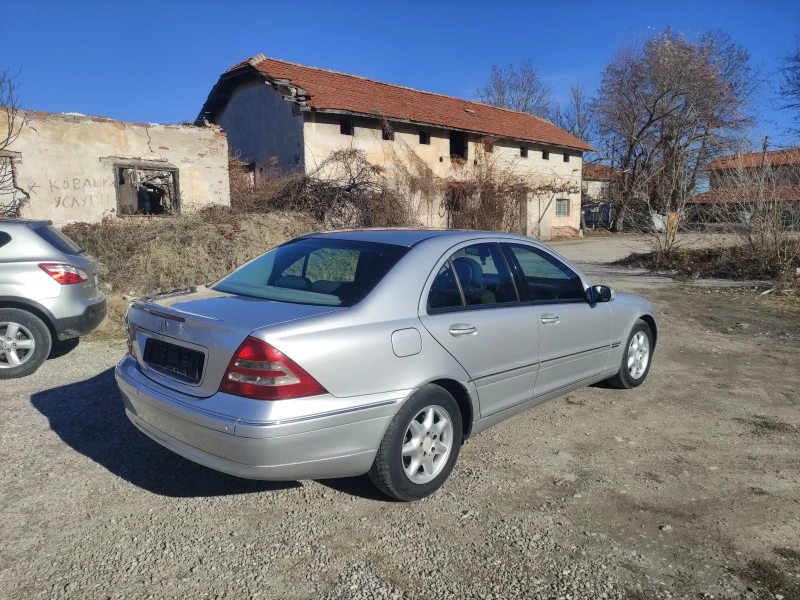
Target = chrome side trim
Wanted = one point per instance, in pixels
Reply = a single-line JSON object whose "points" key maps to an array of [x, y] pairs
{"points": [[603, 347], [615, 345], [332, 413], [525, 366]]}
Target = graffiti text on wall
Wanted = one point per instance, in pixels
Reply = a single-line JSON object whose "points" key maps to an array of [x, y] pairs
{"points": [[76, 192]]}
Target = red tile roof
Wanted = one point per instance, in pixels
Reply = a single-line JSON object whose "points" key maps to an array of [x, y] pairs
{"points": [[331, 90], [790, 156], [598, 172], [744, 196]]}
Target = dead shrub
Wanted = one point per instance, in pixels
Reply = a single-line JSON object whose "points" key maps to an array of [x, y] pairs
{"points": [[344, 191]]}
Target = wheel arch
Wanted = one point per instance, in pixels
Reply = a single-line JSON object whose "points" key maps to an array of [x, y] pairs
{"points": [[463, 399], [35, 309], [651, 323]]}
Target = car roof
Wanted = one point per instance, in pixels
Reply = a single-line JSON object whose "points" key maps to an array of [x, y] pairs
{"points": [[28, 222], [406, 237]]}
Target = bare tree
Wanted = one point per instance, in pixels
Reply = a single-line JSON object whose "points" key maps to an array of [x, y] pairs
{"points": [[519, 89], [790, 87], [576, 115], [665, 110], [755, 202], [12, 198]]}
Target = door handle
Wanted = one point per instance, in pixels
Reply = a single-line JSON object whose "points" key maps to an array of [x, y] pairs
{"points": [[459, 329], [549, 319]]}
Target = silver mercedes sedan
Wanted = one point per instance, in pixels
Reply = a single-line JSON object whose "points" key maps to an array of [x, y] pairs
{"points": [[373, 351]]}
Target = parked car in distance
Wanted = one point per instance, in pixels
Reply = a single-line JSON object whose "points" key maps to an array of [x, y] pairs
{"points": [[372, 351], [48, 293], [599, 215]]}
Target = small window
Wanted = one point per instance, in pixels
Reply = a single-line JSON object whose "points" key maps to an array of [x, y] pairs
{"points": [[566, 157], [346, 127], [548, 279], [458, 144], [523, 152], [562, 207], [483, 275], [488, 145], [425, 138], [545, 155], [387, 133]]}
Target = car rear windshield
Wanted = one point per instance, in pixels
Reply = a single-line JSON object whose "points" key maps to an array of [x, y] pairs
{"points": [[58, 240], [319, 271]]}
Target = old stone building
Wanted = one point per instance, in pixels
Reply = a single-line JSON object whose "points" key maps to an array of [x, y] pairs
{"points": [[69, 168], [292, 116]]}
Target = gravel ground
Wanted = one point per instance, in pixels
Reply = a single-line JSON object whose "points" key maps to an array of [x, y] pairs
{"points": [[686, 487]]}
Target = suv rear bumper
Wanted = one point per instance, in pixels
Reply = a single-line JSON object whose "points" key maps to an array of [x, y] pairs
{"points": [[324, 446], [88, 320]]}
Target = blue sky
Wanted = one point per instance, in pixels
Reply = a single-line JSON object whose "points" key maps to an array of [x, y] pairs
{"points": [[157, 61]]}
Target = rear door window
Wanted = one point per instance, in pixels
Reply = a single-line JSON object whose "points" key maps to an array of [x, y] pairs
{"points": [[548, 279], [477, 273], [319, 271], [58, 240]]}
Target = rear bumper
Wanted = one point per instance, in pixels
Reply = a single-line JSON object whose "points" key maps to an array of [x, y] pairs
{"points": [[333, 444], [88, 320]]}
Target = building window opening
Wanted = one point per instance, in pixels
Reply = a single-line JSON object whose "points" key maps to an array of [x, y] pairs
{"points": [[146, 192], [346, 127], [523, 152], [545, 155], [562, 207], [425, 138], [458, 144], [387, 133], [566, 157]]}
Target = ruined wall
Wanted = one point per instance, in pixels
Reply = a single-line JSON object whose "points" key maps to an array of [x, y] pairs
{"points": [[322, 136], [261, 127], [66, 164]]}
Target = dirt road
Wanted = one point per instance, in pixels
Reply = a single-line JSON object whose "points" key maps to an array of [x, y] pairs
{"points": [[684, 487]]}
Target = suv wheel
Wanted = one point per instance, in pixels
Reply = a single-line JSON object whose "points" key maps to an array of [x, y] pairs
{"points": [[25, 343], [420, 446]]}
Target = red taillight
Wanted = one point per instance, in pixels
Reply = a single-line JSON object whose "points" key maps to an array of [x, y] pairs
{"points": [[64, 274], [258, 370]]}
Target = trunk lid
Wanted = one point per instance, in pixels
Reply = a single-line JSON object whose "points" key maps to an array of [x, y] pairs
{"points": [[201, 325]]}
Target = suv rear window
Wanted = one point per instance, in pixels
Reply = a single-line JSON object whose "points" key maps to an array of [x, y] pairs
{"points": [[318, 271], [58, 240]]}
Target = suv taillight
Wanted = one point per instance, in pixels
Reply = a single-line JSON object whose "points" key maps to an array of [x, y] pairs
{"points": [[64, 274], [258, 370]]}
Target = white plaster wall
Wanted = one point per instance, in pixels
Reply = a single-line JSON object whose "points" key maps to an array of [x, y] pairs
{"points": [[261, 127], [62, 168], [322, 136]]}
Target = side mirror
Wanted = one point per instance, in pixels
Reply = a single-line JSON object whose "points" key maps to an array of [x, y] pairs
{"points": [[603, 293]]}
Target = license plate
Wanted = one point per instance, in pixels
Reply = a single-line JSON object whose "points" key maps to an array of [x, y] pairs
{"points": [[176, 361]]}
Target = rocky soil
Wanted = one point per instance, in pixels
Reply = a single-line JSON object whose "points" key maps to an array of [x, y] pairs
{"points": [[684, 488]]}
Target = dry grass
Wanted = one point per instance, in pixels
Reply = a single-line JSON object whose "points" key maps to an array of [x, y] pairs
{"points": [[146, 255], [734, 262]]}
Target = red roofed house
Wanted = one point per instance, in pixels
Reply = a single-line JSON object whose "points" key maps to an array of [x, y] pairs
{"points": [[732, 178], [277, 112]]}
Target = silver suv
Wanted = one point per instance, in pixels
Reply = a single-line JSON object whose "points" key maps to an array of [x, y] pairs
{"points": [[48, 293]]}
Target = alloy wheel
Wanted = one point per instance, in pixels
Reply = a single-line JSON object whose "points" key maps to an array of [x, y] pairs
{"points": [[638, 354], [427, 444], [16, 345]]}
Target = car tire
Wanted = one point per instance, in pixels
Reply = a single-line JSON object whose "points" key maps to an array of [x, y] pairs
{"points": [[637, 356], [438, 426], [29, 328]]}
